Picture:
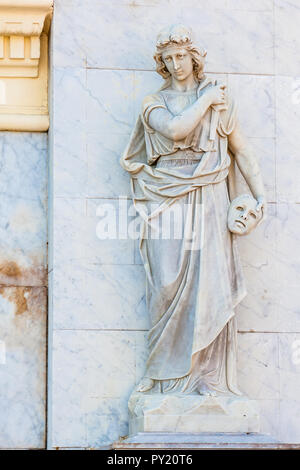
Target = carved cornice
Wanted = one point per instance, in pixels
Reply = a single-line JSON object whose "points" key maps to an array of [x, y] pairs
{"points": [[24, 28], [21, 25]]}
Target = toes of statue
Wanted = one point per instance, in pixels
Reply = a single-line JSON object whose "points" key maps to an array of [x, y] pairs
{"points": [[145, 385]]}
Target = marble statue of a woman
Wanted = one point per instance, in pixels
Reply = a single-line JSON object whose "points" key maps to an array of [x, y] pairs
{"points": [[181, 151]]}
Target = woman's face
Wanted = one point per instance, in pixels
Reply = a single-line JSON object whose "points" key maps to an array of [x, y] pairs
{"points": [[178, 61]]}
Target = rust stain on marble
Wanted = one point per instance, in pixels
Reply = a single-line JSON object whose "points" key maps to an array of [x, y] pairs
{"points": [[15, 274], [10, 269], [18, 296]]}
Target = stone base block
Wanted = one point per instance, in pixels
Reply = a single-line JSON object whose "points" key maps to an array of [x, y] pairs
{"points": [[171, 413], [190, 441]]}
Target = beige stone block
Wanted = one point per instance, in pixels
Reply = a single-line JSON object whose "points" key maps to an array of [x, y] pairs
{"points": [[24, 28], [17, 47]]}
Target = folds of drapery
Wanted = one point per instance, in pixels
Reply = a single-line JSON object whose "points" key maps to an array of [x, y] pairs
{"points": [[192, 290], [191, 293]]}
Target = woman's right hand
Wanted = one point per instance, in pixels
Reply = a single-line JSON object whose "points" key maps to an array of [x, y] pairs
{"points": [[217, 94]]}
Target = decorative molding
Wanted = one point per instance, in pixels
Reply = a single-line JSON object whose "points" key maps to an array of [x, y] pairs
{"points": [[21, 25], [24, 28]]}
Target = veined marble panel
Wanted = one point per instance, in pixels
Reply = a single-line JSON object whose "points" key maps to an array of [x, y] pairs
{"points": [[110, 101], [289, 362], [69, 163], [289, 421], [68, 144], [249, 5], [116, 250], [91, 386], [106, 177], [106, 421], [287, 40], [109, 28], [255, 96], [87, 295], [99, 297], [258, 357], [80, 221], [265, 153], [225, 25], [230, 35], [259, 309], [22, 367], [67, 38], [288, 257], [287, 138], [288, 236], [23, 209], [70, 95], [69, 224], [269, 417], [237, 41]]}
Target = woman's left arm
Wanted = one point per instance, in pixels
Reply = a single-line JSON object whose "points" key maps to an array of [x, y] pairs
{"points": [[248, 165]]}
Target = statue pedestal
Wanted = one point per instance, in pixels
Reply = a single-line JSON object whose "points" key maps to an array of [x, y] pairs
{"points": [[178, 413], [176, 421], [194, 441]]}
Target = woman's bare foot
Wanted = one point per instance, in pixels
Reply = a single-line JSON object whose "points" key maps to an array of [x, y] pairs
{"points": [[203, 389], [145, 385]]}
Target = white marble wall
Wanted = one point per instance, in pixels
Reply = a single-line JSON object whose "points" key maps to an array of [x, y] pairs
{"points": [[23, 291], [102, 67]]}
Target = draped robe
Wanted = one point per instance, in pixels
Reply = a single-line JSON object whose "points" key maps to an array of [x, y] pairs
{"points": [[191, 291]]}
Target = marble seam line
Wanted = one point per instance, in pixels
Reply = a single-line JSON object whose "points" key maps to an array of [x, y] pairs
{"points": [[128, 198], [146, 330], [44, 286], [153, 71]]}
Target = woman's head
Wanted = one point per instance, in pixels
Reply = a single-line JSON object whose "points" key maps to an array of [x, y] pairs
{"points": [[177, 42]]}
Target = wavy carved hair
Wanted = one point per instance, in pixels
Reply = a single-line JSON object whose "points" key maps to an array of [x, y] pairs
{"points": [[181, 36]]}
